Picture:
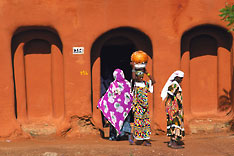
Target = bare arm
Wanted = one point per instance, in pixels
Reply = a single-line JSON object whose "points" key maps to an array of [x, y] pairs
{"points": [[150, 77]]}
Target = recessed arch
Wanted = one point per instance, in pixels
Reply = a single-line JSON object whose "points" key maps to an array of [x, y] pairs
{"points": [[203, 45], [37, 46], [223, 38], [36, 51], [26, 33], [140, 39], [206, 60]]}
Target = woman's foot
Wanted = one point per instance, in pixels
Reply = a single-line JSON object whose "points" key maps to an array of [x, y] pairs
{"points": [[139, 142], [146, 143], [180, 142], [170, 143], [112, 138], [130, 139], [174, 145]]}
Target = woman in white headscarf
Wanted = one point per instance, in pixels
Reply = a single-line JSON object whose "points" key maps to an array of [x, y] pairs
{"points": [[172, 94]]}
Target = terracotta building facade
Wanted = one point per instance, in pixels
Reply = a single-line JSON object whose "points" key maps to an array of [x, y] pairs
{"points": [[45, 80]]}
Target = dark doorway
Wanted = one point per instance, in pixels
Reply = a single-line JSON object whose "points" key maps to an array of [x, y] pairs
{"points": [[116, 53], [113, 50]]}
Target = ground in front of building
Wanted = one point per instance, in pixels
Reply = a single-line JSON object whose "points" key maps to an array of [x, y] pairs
{"points": [[215, 144]]}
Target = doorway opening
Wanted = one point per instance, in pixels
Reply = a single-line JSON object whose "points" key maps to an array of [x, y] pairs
{"points": [[115, 53], [113, 50]]}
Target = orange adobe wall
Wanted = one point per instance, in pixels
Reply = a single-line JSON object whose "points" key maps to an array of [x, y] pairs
{"points": [[42, 81]]}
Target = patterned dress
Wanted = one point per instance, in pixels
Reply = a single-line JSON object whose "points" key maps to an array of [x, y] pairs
{"points": [[142, 129], [175, 113]]}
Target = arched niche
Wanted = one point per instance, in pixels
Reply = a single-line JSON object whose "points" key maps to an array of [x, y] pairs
{"points": [[206, 61], [37, 62]]}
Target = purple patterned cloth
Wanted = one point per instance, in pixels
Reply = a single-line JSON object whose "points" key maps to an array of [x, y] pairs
{"points": [[116, 102]]}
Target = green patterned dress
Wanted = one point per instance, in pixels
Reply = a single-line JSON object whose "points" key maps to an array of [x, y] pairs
{"points": [[175, 113], [141, 129]]}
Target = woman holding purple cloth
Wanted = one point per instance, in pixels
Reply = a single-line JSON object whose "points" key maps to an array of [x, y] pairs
{"points": [[116, 105]]}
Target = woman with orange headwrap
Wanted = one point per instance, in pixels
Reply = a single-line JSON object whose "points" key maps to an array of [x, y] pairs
{"points": [[142, 130]]}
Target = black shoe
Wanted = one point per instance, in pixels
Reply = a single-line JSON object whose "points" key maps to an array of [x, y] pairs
{"points": [[139, 142], [170, 143], [112, 138], [174, 145], [146, 143], [180, 142]]}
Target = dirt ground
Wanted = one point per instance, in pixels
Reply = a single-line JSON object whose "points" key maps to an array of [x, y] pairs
{"points": [[216, 144]]}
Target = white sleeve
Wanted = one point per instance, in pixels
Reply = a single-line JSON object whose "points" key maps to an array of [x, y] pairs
{"points": [[169, 92], [151, 87]]}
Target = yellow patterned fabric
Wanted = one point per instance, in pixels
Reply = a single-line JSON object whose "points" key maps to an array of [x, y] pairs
{"points": [[141, 129]]}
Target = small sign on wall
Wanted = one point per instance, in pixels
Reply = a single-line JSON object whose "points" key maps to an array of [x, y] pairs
{"points": [[78, 50]]}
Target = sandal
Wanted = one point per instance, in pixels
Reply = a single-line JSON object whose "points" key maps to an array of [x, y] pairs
{"points": [[146, 143], [112, 138], [170, 143], [174, 145], [130, 139]]}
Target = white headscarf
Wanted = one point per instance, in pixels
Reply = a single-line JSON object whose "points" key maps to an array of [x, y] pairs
{"points": [[170, 81]]}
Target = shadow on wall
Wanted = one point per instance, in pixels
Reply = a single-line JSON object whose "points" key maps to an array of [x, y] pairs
{"points": [[226, 103]]}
